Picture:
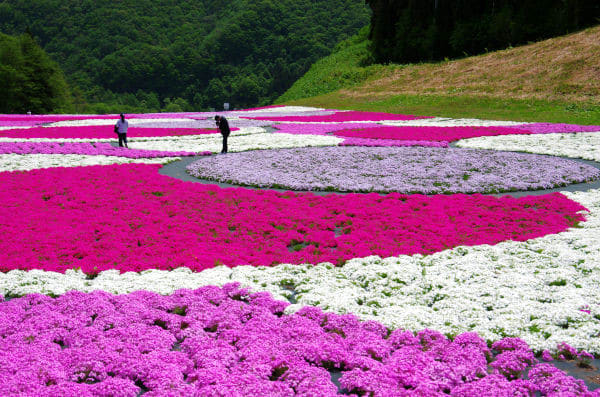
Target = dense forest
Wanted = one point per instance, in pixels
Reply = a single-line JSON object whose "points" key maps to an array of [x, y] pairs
{"points": [[405, 31], [29, 80], [174, 55]]}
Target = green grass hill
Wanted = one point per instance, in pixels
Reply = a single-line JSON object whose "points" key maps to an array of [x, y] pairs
{"points": [[556, 80]]}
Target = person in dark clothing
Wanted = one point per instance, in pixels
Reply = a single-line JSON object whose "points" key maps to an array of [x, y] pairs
{"points": [[121, 130], [223, 125]]}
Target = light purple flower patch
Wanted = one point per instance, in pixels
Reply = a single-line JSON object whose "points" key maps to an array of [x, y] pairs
{"points": [[385, 169]]}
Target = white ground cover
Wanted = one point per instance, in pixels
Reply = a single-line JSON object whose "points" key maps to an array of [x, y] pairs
{"points": [[13, 128], [237, 143], [447, 122], [112, 121], [18, 162], [584, 145]]}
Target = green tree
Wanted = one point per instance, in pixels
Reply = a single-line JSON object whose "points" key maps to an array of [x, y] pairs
{"points": [[254, 49], [29, 79]]}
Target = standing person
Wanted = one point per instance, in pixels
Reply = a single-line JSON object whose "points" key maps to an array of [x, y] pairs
{"points": [[223, 125], [121, 130]]}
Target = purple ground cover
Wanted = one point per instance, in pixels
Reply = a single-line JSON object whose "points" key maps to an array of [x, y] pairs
{"points": [[230, 342], [402, 169], [85, 148], [548, 128]]}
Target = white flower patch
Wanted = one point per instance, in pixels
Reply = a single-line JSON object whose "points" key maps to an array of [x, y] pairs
{"points": [[282, 109], [237, 143], [448, 122], [584, 145], [534, 290], [18, 162], [112, 121], [14, 128], [243, 131]]}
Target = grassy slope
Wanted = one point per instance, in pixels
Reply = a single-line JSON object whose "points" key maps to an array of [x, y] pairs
{"points": [[556, 80]]}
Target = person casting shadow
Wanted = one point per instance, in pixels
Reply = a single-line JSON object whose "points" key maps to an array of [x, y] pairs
{"points": [[223, 125], [121, 130]]}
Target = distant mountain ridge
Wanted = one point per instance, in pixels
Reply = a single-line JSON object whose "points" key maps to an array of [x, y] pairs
{"points": [[153, 53]]}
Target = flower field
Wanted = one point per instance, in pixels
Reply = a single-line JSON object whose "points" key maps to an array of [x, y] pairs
{"points": [[116, 280]]}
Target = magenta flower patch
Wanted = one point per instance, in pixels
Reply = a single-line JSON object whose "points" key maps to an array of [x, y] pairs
{"points": [[332, 128], [367, 142], [550, 128], [447, 134], [229, 342], [85, 148], [341, 117], [101, 132], [319, 129], [128, 217]]}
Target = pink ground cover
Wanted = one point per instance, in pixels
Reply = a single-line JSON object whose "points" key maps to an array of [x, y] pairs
{"points": [[87, 148], [390, 143], [51, 118], [230, 342], [129, 217], [101, 132], [333, 128], [342, 117], [447, 134], [549, 128], [320, 129]]}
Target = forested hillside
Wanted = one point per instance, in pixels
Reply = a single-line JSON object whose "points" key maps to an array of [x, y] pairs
{"points": [[29, 79], [180, 55]]}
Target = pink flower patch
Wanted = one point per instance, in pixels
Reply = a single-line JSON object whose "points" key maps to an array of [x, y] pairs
{"points": [[447, 134], [101, 132], [340, 117], [319, 129], [128, 217], [390, 143]]}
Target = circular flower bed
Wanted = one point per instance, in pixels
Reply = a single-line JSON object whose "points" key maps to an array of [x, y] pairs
{"points": [[129, 218], [404, 170], [226, 341]]}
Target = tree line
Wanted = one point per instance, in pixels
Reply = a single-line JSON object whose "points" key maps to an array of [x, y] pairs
{"points": [[407, 31], [177, 55], [29, 80]]}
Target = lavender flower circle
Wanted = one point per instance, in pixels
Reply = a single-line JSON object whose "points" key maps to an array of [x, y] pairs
{"points": [[393, 169]]}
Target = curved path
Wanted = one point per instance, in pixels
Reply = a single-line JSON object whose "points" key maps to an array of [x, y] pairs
{"points": [[177, 169]]}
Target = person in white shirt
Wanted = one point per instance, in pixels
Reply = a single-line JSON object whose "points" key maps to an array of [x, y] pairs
{"points": [[121, 130]]}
